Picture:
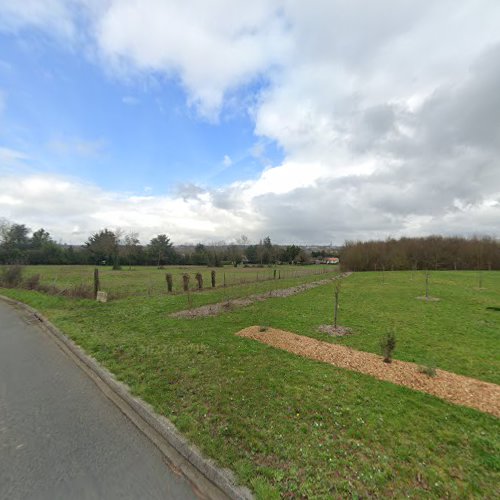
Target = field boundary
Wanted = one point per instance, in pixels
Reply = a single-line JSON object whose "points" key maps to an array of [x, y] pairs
{"points": [[229, 305], [209, 480], [451, 387]]}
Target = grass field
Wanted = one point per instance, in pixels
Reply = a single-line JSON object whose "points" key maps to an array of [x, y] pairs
{"points": [[293, 427], [148, 281]]}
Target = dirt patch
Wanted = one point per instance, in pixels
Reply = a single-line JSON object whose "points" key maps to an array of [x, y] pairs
{"points": [[335, 331], [221, 307], [457, 389], [428, 299]]}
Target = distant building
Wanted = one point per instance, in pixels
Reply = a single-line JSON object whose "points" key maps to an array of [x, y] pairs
{"points": [[330, 260]]}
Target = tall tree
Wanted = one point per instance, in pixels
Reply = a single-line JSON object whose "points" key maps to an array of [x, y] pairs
{"points": [[200, 256], [17, 237], [235, 254], [290, 254], [161, 250], [103, 246], [41, 238], [131, 247]]}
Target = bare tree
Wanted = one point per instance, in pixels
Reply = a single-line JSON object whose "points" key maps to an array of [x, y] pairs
{"points": [[338, 287], [130, 247]]}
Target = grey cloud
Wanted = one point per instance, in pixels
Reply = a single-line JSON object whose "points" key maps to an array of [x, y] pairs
{"points": [[189, 191], [361, 28], [373, 127], [451, 156], [467, 115], [228, 198], [322, 213]]}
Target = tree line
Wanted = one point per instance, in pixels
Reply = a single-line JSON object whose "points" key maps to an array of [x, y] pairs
{"points": [[431, 252], [19, 245]]}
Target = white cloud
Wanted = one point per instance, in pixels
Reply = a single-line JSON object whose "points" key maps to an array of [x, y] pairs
{"points": [[227, 161], [72, 210], [387, 112], [54, 16], [10, 156], [213, 47]]}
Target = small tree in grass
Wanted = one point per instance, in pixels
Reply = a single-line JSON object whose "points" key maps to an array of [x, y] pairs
{"points": [[185, 282], [212, 275], [388, 345], [96, 282], [338, 287], [169, 282], [199, 279]]}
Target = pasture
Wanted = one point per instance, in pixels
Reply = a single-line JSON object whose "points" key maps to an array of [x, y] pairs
{"points": [[290, 426], [149, 280]]}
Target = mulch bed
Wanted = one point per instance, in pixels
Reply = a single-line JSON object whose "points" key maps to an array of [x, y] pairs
{"points": [[229, 305], [457, 389], [334, 331]]}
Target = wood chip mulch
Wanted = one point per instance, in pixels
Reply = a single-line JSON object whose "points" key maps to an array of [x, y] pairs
{"points": [[457, 389]]}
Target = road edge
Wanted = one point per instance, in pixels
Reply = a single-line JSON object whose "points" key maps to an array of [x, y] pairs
{"points": [[209, 480]]}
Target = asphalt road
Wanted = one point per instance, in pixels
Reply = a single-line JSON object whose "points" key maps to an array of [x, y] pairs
{"points": [[60, 437]]}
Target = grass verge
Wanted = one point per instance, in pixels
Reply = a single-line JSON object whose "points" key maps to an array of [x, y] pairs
{"points": [[294, 427]]}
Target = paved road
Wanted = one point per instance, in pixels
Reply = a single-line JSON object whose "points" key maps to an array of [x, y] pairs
{"points": [[60, 437]]}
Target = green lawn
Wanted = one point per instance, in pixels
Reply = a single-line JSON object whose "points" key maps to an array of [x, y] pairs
{"points": [[295, 427], [459, 333]]}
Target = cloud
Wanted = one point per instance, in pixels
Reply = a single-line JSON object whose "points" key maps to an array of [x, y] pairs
{"points": [[212, 48], [189, 191], [227, 161], [53, 16], [387, 112], [61, 205], [10, 156]]}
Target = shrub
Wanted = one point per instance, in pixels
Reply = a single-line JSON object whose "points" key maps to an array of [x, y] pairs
{"points": [[388, 344], [80, 291], [32, 283], [11, 276], [429, 370]]}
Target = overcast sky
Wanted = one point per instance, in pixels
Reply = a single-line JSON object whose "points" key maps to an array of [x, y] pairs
{"points": [[309, 121]]}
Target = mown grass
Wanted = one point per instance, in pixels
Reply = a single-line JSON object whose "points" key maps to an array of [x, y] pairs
{"points": [[459, 333], [294, 427]]}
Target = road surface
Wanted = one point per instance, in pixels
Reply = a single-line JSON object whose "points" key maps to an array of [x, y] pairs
{"points": [[60, 437]]}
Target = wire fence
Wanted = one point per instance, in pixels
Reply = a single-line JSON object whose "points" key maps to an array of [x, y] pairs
{"points": [[141, 282]]}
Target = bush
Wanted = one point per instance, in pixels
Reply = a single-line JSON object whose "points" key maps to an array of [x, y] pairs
{"points": [[32, 283], [429, 370], [80, 291], [388, 345], [12, 276]]}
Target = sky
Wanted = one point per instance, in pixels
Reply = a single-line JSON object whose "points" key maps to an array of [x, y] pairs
{"points": [[311, 122]]}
